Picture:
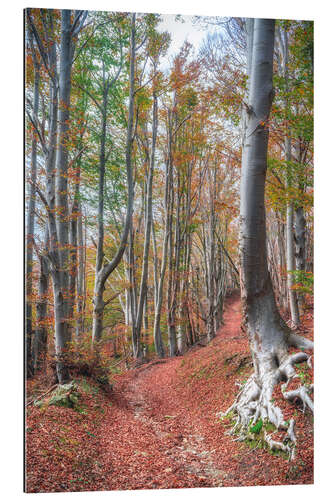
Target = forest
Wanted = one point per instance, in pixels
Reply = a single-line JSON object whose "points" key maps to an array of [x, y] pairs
{"points": [[168, 252]]}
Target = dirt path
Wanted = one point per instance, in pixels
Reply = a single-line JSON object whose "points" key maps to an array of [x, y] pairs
{"points": [[162, 431], [153, 440], [187, 452]]}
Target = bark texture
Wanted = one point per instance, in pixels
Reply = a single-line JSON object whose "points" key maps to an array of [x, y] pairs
{"points": [[30, 227], [268, 335], [40, 340]]}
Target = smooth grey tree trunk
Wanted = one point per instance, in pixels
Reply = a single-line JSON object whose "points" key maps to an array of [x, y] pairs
{"points": [[30, 227], [268, 335], [256, 285], [61, 274], [80, 275]]}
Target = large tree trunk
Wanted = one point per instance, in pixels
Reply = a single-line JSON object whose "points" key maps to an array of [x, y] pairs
{"points": [[268, 335], [31, 217], [61, 275]]}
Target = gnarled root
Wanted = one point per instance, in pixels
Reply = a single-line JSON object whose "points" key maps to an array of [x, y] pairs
{"points": [[254, 402]]}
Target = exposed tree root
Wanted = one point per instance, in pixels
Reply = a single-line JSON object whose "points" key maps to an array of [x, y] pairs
{"points": [[254, 403]]}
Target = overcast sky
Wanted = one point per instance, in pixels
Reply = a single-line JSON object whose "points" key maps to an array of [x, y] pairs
{"points": [[180, 31]]}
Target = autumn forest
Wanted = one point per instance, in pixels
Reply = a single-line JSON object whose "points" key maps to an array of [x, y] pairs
{"points": [[168, 251]]}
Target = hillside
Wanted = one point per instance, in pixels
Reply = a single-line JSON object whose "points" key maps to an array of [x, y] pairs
{"points": [[159, 428]]}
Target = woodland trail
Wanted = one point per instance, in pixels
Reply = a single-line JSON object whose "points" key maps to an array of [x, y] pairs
{"points": [[159, 429], [162, 430], [163, 446]]}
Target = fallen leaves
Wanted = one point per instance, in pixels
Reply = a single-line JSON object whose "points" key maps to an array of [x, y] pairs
{"points": [[159, 427]]}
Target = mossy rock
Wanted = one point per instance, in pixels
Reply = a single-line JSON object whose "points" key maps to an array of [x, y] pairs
{"points": [[66, 396]]}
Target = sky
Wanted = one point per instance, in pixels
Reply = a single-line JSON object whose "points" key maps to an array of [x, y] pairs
{"points": [[180, 31]]}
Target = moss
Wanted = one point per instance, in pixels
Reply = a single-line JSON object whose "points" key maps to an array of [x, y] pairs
{"points": [[228, 418], [255, 436], [66, 396], [87, 387], [268, 426], [255, 429]]}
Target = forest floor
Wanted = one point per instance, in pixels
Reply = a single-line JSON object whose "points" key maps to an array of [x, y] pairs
{"points": [[159, 428]]}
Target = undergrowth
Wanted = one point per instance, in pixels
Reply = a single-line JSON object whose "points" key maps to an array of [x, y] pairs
{"points": [[255, 438]]}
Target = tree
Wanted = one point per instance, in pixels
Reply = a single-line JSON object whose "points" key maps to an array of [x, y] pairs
{"points": [[56, 152], [156, 47], [103, 272], [31, 207], [269, 336]]}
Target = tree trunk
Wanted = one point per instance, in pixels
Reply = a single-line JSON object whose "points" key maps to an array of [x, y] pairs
{"points": [[300, 224], [80, 275], [268, 335], [73, 253], [148, 223], [282, 266], [31, 219], [291, 264], [40, 340], [171, 275], [159, 295], [211, 262], [107, 269], [61, 275], [290, 258], [98, 302]]}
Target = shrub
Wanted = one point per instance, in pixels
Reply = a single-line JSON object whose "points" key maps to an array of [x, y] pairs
{"points": [[303, 281]]}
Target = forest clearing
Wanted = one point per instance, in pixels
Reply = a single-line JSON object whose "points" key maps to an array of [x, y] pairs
{"points": [[169, 251]]}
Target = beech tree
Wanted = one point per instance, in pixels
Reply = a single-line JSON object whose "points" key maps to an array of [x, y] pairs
{"points": [[56, 151], [269, 336], [158, 43], [32, 205], [103, 272]]}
